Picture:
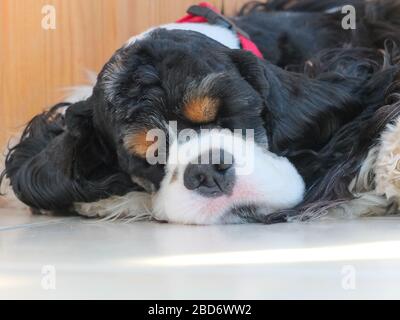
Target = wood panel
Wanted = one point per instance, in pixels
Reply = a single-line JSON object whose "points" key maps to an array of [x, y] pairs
{"points": [[35, 64]]}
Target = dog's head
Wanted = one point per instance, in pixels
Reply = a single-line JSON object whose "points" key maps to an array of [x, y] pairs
{"points": [[184, 114], [175, 114]]}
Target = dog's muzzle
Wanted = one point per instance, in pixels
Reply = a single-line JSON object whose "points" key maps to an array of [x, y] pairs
{"points": [[211, 175]]}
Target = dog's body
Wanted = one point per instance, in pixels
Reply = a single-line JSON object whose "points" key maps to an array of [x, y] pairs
{"points": [[93, 160]]}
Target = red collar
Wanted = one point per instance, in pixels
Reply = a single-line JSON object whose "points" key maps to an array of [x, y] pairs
{"points": [[206, 12]]}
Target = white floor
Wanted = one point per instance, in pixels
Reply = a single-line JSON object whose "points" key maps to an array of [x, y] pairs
{"points": [[42, 257]]}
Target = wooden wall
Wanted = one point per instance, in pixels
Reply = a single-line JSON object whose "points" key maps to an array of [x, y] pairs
{"points": [[35, 64]]}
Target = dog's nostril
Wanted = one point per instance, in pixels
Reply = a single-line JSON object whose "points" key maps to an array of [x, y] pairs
{"points": [[210, 179], [198, 180]]}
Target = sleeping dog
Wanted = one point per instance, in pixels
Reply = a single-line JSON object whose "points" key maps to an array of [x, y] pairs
{"points": [[316, 107]]}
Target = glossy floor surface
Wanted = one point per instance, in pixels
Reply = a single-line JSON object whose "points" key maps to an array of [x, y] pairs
{"points": [[43, 257]]}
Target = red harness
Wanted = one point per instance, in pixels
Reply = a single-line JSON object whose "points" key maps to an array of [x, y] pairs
{"points": [[207, 13]]}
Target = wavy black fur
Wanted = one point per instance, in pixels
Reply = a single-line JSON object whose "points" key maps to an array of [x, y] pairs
{"points": [[60, 161], [291, 32]]}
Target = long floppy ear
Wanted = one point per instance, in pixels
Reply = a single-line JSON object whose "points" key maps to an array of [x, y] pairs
{"points": [[299, 112], [252, 70], [61, 160]]}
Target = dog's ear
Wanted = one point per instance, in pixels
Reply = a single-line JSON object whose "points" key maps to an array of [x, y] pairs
{"points": [[60, 159], [252, 70]]}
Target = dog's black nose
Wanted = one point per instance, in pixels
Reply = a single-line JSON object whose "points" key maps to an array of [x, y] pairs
{"points": [[210, 180]]}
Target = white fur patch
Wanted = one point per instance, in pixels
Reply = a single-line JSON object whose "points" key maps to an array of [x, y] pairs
{"points": [[377, 183], [367, 201], [133, 206], [387, 166], [218, 33]]}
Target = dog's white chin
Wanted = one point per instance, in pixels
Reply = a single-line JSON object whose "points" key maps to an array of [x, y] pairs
{"points": [[272, 184]]}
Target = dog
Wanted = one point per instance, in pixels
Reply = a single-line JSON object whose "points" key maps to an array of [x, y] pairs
{"points": [[321, 106]]}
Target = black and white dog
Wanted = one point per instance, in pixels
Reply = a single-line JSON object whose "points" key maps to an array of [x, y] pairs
{"points": [[322, 107]]}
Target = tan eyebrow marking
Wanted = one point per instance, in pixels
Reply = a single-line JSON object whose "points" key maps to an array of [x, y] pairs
{"points": [[137, 144], [201, 109]]}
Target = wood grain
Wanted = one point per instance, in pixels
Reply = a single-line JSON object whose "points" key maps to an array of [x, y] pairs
{"points": [[36, 64]]}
